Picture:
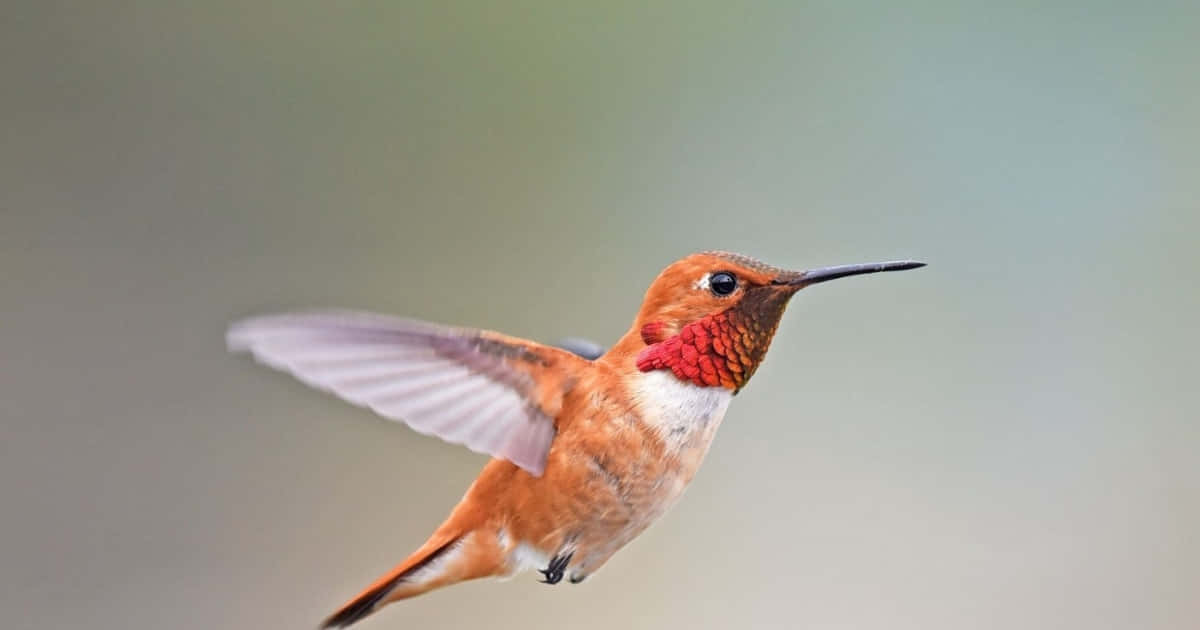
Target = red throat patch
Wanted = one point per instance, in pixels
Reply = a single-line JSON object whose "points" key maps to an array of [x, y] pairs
{"points": [[718, 350]]}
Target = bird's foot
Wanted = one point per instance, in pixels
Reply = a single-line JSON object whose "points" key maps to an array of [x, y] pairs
{"points": [[554, 572], [576, 578]]}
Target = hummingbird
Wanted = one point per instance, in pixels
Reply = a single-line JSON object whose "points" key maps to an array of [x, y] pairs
{"points": [[588, 447]]}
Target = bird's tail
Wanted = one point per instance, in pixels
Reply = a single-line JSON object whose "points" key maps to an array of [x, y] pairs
{"points": [[451, 555]]}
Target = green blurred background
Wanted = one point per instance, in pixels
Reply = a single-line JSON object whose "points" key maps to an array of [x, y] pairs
{"points": [[1005, 439]]}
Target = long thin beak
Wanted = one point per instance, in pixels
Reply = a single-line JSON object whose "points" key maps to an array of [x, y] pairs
{"points": [[800, 279]]}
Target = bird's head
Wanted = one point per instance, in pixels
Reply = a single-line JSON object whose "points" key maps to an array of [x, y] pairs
{"points": [[710, 317]]}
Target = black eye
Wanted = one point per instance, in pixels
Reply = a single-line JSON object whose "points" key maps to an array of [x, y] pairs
{"points": [[722, 283]]}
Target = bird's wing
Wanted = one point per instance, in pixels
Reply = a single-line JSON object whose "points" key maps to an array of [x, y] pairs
{"points": [[579, 346], [492, 393]]}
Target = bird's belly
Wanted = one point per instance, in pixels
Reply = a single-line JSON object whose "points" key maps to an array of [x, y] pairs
{"points": [[638, 479], [659, 498], [648, 498]]}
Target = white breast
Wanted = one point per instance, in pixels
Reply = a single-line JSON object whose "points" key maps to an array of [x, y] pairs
{"points": [[684, 414]]}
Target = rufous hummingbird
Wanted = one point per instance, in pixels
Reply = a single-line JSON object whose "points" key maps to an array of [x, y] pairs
{"points": [[588, 450]]}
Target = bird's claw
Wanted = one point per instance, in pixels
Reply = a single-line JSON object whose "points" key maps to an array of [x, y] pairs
{"points": [[554, 572]]}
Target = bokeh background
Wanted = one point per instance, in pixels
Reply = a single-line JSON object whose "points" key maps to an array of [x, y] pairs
{"points": [[1005, 439]]}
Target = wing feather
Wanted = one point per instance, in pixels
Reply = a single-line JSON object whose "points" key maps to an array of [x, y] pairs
{"points": [[494, 394]]}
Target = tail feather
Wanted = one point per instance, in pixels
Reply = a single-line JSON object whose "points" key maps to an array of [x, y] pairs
{"points": [[367, 601], [444, 559]]}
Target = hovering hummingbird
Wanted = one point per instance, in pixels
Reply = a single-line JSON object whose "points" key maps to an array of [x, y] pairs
{"points": [[589, 449]]}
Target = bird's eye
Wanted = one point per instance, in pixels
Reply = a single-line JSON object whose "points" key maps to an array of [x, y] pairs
{"points": [[722, 283]]}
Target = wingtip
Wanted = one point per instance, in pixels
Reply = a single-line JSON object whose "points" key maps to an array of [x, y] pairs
{"points": [[243, 334], [238, 337]]}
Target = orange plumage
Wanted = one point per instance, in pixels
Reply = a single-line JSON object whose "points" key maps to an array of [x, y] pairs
{"points": [[588, 453]]}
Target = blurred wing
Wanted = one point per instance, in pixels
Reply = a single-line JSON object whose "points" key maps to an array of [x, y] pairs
{"points": [[492, 393]]}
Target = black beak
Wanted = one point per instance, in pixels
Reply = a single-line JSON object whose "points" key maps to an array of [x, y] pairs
{"points": [[801, 279]]}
